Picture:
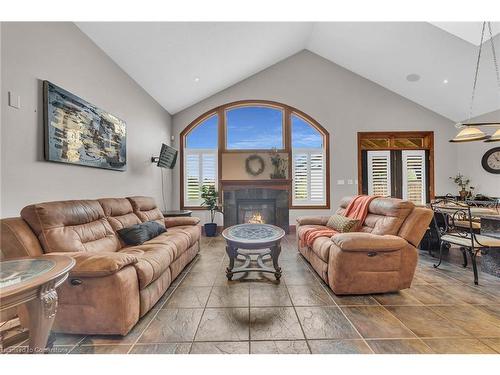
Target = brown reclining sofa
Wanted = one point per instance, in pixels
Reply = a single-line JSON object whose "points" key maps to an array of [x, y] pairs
{"points": [[381, 258], [112, 285]]}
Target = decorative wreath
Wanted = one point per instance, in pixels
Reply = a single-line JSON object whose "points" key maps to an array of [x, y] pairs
{"points": [[252, 170]]}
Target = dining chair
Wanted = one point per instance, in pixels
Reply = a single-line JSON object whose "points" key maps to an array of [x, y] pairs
{"points": [[457, 229]]}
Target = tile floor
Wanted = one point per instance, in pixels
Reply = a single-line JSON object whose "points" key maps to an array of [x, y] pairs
{"points": [[443, 312]]}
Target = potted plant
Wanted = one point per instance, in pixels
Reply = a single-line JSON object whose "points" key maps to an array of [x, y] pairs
{"points": [[462, 182], [210, 201]]}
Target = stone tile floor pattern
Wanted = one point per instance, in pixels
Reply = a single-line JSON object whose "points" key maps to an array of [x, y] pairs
{"points": [[202, 312]]}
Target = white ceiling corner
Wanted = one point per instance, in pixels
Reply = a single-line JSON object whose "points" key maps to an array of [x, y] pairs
{"points": [[469, 31], [166, 57]]}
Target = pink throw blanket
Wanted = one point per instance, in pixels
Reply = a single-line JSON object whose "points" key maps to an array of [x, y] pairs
{"points": [[356, 209]]}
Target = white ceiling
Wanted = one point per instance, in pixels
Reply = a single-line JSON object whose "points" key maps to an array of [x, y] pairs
{"points": [[470, 31], [180, 64], [165, 58]]}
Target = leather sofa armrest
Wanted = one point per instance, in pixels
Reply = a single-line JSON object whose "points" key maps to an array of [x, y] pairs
{"points": [[98, 264], [312, 220], [183, 220], [358, 241]]}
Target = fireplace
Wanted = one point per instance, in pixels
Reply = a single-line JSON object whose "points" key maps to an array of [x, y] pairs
{"points": [[256, 201], [256, 211]]}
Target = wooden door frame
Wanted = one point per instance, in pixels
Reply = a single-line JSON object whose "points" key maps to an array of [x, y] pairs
{"points": [[428, 137]]}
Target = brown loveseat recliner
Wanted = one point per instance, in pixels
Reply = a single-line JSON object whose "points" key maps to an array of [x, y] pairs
{"points": [[112, 285], [381, 258]]}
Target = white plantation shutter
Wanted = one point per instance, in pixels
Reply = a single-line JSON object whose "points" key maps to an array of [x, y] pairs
{"points": [[379, 173], [200, 169], [309, 177], [414, 178]]}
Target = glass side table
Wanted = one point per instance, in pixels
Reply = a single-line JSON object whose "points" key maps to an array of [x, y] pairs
{"points": [[29, 284], [247, 240]]}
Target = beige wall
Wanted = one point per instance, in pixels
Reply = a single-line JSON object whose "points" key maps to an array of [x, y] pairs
{"points": [[342, 102], [469, 159], [233, 166], [62, 54]]}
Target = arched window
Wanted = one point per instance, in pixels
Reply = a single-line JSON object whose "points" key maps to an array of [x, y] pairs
{"points": [[200, 159], [256, 127], [308, 164]]}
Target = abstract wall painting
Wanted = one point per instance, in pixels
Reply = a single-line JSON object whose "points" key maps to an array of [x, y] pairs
{"points": [[77, 132]]}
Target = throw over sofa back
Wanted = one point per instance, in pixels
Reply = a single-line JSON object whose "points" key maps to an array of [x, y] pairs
{"points": [[385, 215]]}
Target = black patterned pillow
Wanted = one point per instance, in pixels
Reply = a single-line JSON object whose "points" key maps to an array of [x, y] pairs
{"points": [[139, 233], [342, 224]]}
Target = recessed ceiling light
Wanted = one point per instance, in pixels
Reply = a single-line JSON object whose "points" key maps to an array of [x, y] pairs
{"points": [[197, 79], [413, 77], [445, 81]]}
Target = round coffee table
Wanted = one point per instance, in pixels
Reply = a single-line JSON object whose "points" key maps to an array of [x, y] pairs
{"points": [[245, 240]]}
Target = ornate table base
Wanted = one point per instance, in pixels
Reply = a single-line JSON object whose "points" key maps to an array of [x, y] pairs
{"points": [[247, 266], [253, 243], [29, 285], [41, 312]]}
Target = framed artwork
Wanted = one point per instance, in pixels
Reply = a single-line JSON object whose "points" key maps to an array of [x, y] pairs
{"points": [[77, 132]]}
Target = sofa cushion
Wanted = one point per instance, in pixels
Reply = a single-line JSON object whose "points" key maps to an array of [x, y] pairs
{"points": [[68, 226], [146, 210], [193, 232], [368, 242], [385, 215], [301, 229], [182, 220], [178, 242], [139, 233], [321, 247], [99, 264], [152, 261], [119, 212]]}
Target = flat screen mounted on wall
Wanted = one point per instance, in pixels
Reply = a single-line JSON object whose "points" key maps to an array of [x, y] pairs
{"points": [[167, 158], [77, 132]]}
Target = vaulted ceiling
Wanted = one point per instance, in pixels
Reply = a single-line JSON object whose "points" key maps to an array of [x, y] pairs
{"points": [[181, 63]]}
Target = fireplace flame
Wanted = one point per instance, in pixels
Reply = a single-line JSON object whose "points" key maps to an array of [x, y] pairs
{"points": [[256, 219]]}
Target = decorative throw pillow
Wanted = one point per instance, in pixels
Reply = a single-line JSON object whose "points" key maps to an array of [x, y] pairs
{"points": [[342, 224], [139, 233]]}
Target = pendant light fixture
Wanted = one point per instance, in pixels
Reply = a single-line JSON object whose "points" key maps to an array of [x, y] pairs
{"points": [[470, 131], [468, 134], [495, 137]]}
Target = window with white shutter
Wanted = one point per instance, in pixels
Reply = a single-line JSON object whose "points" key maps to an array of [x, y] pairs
{"points": [[200, 160], [308, 164], [308, 180], [414, 183], [379, 173], [200, 169]]}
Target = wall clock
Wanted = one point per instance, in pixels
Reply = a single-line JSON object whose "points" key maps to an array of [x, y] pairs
{"points": [[491, 160]]}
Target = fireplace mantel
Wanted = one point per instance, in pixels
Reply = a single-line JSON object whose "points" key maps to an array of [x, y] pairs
{"points": [[281, 184]]}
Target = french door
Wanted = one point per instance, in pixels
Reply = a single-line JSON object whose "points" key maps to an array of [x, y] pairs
{"points": [[396, 173], [399, 164]]}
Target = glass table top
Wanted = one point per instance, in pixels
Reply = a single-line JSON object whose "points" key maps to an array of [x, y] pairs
{"points": [[13, 272], [253, 232]]}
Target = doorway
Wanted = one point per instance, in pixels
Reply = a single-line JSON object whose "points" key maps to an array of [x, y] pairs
{"points": [[397, 164]]}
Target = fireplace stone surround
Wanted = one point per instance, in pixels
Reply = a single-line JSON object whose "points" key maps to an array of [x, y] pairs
{"points": [[268, 198]]}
